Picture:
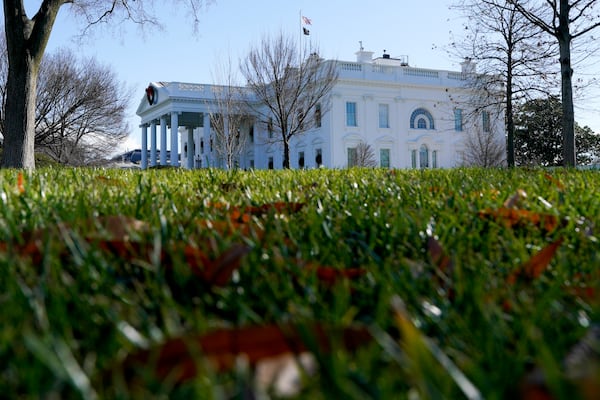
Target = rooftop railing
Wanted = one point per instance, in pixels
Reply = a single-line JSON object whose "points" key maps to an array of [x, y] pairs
{"points": [[399, 73]]}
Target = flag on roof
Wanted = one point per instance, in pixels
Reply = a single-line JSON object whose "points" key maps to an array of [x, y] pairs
{"points": [[306, 20]]}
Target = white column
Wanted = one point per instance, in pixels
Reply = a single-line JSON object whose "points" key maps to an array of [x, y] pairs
{"points": [[144, 146], [174, 139], [207, 151], [190, 148], [198, 134], [163, 140], [153, 143]]}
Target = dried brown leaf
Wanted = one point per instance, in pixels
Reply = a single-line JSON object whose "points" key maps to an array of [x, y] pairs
{"points": [[178, 358], [537, 264]]}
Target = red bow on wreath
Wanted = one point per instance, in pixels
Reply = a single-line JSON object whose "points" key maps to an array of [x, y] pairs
{"points": [[150, 94]]}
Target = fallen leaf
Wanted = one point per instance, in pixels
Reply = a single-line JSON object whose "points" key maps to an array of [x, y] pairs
{"points": [[278, 206], [231, 228], [444, 265], [105, 180], [115, 235], [20, 185], [330, 275], [113, 227], [437, 254], [515, 199], [537, 264], [178, 359], [512, 217], [555, 181], [219, 271], [240, 217]]}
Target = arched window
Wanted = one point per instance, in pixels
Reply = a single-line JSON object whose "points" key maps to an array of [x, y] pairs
{"points": [[423, 157], [421, 119]]}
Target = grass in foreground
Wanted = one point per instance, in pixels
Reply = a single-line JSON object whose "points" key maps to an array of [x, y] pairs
{"points": [[436, 284]]}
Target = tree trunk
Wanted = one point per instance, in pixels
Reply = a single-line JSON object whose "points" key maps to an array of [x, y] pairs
{"points": [[26, 41], [286, 154], [510, 124], [19, 117], [566, 72]]}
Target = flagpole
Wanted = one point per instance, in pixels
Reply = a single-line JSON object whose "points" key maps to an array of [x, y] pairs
{"points": [[300, 41]]}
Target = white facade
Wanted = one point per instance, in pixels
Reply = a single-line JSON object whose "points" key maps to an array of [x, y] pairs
{"points": [[410, 117]]}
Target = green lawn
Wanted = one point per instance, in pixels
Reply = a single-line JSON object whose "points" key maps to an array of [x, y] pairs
{"points": [[464, 283]]}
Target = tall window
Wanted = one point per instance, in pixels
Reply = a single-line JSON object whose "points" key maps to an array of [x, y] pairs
{"points": [[384, 113], [423, 157], [300, 159], [350, 113], [434, 162], [458, 120], [318, 157], [413, 158], [318, 116], [384, 158], [352, 157], [251, 133], [485, 120], [270, 162]]}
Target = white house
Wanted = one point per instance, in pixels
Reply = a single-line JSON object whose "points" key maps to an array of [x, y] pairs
{"points": [[410, 118]]}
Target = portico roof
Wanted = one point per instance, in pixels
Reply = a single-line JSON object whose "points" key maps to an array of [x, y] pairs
{"points": [[189, 100]]}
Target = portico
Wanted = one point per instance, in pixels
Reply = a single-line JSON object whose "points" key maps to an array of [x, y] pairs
{"points": [[172, 107]]}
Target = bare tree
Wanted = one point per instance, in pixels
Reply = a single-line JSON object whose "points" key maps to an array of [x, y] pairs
{"points": [[26, 40], [81, 109], [513, 63], [232, 126], [565, 20], [291, 86], [362, 156], [484, 149]]}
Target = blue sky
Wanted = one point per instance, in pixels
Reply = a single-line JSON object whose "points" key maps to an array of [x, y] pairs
{"points": [[227, 28]]}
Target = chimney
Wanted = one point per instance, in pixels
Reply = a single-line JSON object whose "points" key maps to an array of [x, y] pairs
{"points": [[363, 56], [468, 66]]}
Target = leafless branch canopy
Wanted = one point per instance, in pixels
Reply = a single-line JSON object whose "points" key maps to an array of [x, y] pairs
{"points": [[26, 40], [140, 12], [365, 155], [514, 58], [291, 86], [232, 125], [81, 109]]}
